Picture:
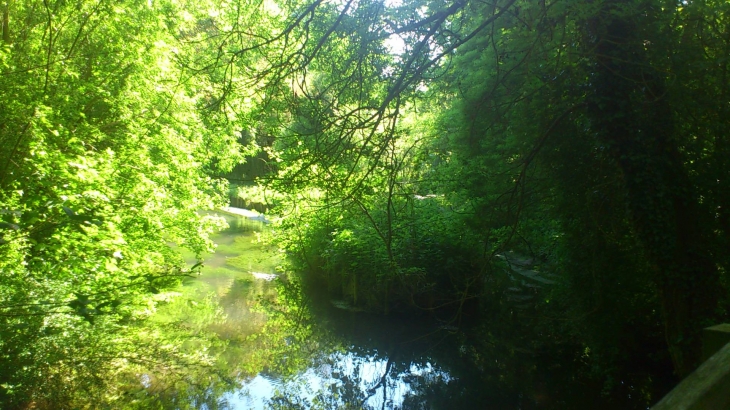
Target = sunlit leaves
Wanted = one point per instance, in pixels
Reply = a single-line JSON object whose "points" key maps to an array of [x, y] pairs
{"points": [[106, 158]]}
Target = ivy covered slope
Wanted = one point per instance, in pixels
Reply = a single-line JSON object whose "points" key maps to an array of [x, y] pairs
{"points": [[107, 148]]}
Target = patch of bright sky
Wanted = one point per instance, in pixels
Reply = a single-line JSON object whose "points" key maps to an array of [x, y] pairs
{"points": [[395, 44]]}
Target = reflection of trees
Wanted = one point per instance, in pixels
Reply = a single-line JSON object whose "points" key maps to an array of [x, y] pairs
{"points": [[377, 370], [341, 387], [288, 403], [359, 380], [239, 305], [340, 360]]}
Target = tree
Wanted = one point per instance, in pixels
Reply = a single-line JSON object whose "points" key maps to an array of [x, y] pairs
{"points": [[603, 74], [593, 72], [105, 158]]}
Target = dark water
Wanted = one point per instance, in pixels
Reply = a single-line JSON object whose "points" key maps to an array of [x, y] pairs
{"points": [[275, 346]]}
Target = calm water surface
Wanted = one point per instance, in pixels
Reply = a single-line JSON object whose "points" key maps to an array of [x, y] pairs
{"points": [[276, 348], [351, 360]]}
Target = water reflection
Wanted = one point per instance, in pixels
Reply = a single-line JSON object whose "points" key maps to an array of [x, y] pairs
{"points": [[272, 347], [278, 352], [339, 380]]}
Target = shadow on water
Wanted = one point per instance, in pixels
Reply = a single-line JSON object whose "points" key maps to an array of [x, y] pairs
{"points": [[281, 347]]}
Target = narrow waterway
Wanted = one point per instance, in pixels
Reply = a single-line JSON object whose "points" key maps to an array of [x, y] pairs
{"points": [[274, 346], [281, 352]]}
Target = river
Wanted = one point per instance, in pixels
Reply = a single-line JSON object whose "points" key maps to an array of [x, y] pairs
{"points": [[271, 345]]}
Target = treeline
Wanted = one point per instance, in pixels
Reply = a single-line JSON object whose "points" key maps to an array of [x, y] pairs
{"points": [[107, 147]]}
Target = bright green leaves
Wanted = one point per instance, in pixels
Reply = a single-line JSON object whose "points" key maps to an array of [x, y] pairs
{"points": [[107, 146]]}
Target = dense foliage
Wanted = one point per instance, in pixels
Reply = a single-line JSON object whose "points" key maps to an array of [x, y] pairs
{"points": [[557, 169], [568, 154], [106, 156]]}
